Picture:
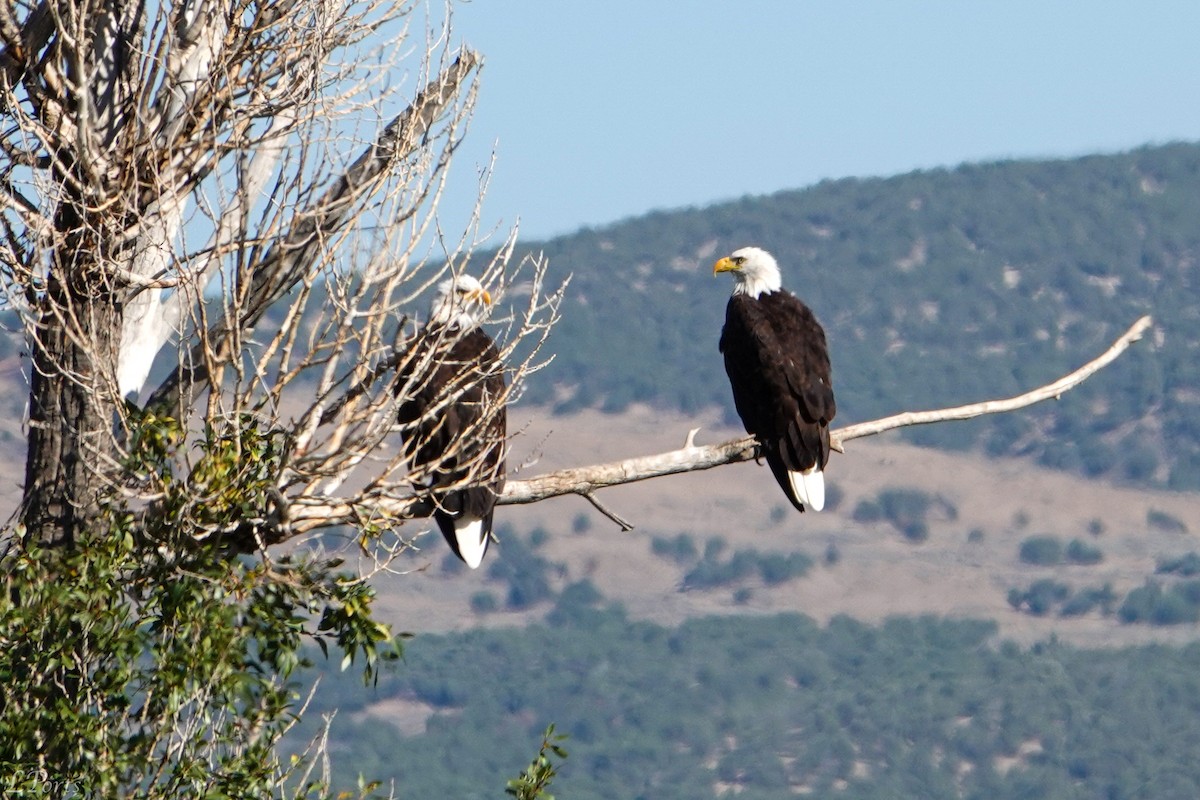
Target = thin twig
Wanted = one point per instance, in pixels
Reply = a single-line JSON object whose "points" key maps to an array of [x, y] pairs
{"points": [[608, 512]]}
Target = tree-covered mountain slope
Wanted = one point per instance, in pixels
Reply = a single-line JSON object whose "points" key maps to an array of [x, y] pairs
{"points": [[773, 707], [935, 288]]}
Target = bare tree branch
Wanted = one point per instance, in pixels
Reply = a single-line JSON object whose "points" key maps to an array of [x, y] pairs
{"points": [[292, 258], [1050, 391], [312, 513]]}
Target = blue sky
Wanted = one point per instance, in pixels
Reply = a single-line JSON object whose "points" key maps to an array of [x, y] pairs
{"points": [[599, 111]]}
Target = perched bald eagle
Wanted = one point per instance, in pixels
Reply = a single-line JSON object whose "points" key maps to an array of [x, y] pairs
{"points": [[778, 367], [453, 418]]}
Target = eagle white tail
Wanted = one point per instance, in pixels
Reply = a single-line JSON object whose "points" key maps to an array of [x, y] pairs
{"points": [[472, 541], [809, 487]]}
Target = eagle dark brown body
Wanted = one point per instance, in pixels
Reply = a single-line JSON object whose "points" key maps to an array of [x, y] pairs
{"points": [[778, 366], [454, 425]]}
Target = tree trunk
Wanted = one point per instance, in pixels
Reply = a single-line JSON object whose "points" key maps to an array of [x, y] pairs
{"points": [[72, 403]]}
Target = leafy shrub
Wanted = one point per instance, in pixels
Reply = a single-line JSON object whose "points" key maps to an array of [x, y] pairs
{"points": [[1162, 521], [867, 511], [833, 496], [1085, 600], [776, 568], [1152, 604], [527, 574], [1186, 565], [1040, 598], [483, 602], [773, 568], [1041, 551], [681, 549], [915, 530], [902, 507], [1080, 552]]}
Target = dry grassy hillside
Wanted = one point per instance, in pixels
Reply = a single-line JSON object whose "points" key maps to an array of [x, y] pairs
{"points": [[879, 573]]}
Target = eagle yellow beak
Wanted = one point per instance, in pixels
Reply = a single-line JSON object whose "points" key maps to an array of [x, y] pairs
{"points": [[483, 295], [724, 265]]}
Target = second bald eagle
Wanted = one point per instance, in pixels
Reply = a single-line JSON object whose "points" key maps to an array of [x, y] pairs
{"points": [[453, 417], [778, 366]]}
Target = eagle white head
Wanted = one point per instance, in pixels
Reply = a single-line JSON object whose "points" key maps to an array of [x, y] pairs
{"points": [[460, 302], [753, 268]]}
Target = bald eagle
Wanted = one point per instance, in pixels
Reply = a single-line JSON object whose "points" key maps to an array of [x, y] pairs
{"points": [[778, 367], [452, 416]]}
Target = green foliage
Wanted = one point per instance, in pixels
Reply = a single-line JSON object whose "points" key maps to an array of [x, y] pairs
{"points": [[762, 705], [148, 661], [1041, 551], [1080, 552], [484, 602], [1186, 565], [867, 511], [681, 548], [1162, 521], [1153, 604], [907, 510], [526, 574], [536, 778], [773, 568], [1040, 598]]}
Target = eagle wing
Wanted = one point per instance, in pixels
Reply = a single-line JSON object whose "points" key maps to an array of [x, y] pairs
{"points": [[778, 365], [454, 424]]}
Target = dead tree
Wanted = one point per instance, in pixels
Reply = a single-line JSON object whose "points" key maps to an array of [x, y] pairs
{"points": [[176, 172]]}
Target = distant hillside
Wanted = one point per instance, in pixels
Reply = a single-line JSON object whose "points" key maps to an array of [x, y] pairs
{"points": [[935, 288]]}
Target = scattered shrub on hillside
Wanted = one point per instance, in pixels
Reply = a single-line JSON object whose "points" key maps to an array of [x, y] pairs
{"points": [[773, 568], [776, 568], [1080, 552], [1040, 598], [1162, 521], [907, 510], [1085, 600], [681, 549], [1185, 565], [527, 574], [867, 511], [538, 537], [1041, 551], [833, 496], [1152, 604], [483, 602]]}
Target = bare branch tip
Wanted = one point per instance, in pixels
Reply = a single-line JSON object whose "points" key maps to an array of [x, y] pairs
{"points": [[624, 524]]}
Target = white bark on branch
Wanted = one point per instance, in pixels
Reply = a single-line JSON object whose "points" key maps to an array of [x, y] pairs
{"points": [[311, 513]]}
